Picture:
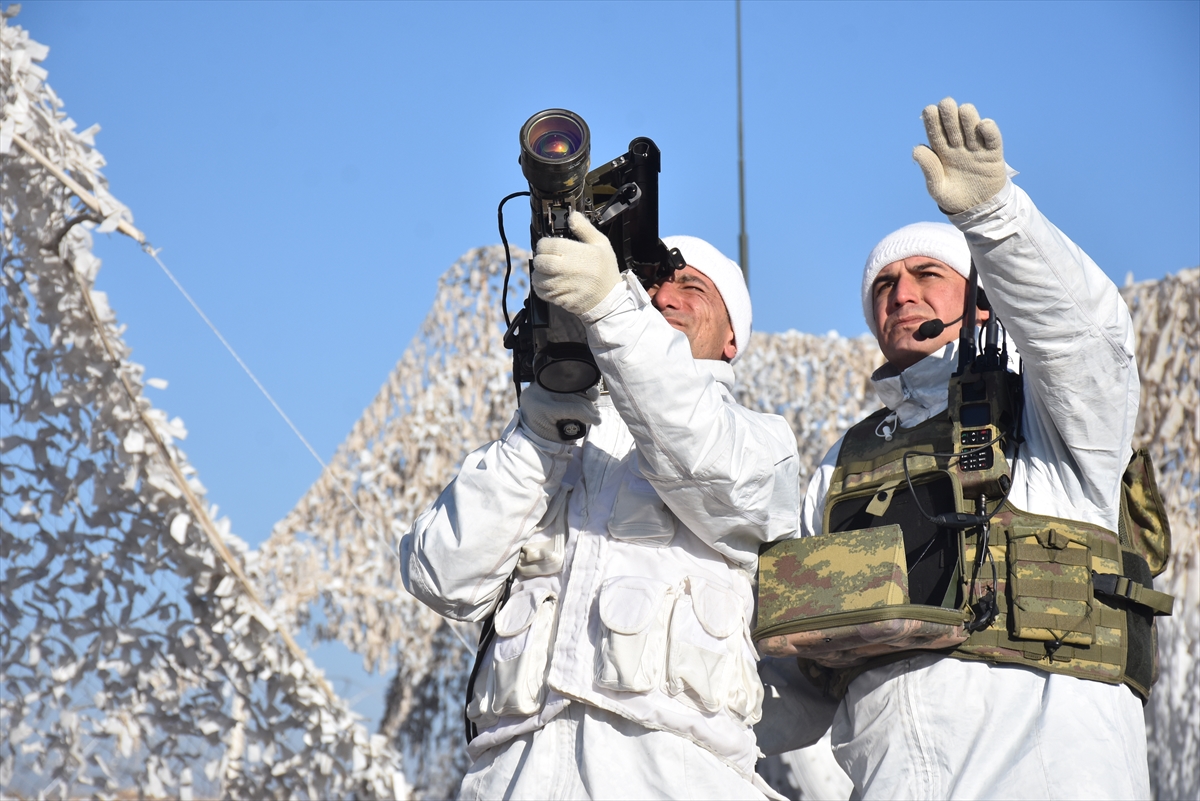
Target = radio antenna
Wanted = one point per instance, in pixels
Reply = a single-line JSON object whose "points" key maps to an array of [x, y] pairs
{"points": [[743, 240]]}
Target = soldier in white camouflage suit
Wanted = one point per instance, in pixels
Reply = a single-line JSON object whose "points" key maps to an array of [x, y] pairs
{"points": [[932, 725], [622, 665]]}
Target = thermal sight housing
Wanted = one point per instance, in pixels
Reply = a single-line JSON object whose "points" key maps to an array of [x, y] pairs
{"points": [[621, 199]]}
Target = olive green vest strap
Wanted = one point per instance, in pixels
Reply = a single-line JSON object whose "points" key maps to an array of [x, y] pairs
{"points": [[1047, 620], [1036, 553], [1038, 651], [1114, 586], [1109, 654], [1060, 590]]}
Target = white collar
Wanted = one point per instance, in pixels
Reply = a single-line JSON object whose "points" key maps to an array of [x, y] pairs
{"points": [[722, 371], [918, 392]]}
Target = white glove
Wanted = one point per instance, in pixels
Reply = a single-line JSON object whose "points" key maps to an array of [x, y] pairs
{"points": [[964, 163], [575, 276], [559, 416]]}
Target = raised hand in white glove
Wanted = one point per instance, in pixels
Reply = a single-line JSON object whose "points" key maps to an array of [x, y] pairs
{"points": [[558, 415], [575, 275], [964, 163]]}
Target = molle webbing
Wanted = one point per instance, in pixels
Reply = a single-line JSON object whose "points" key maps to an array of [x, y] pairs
{"points": [[867, 461], [1053, 615], [1047, 622]]}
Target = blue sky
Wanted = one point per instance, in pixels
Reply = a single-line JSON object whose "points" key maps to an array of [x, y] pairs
{"points": [[310, 169]]}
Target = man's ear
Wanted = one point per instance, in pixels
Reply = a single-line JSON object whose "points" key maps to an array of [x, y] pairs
{"points": [[983, 306], [730, 349]]}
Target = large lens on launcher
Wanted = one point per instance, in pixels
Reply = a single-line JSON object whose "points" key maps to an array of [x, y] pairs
{"points": [[555, 146]]}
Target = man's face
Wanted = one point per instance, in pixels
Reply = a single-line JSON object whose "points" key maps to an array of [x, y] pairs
{"points": [[690, 302], [912, 291]]}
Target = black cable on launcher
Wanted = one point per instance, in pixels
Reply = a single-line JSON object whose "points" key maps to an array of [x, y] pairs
{"points": [[507, 254]]}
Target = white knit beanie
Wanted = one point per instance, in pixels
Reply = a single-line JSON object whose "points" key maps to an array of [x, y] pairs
{"points": [[940, 241], [727, 276]]}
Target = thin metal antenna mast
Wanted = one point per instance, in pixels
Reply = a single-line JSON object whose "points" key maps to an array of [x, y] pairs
{"points": [[743, 239]]}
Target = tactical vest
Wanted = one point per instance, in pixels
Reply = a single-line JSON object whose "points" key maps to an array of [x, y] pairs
{"points": [[884, 580]]}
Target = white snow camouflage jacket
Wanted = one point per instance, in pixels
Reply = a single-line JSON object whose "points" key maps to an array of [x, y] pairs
{"points": [[934, 727], [635, 549]]}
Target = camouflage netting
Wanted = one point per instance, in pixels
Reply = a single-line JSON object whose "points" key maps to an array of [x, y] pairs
{"points": [[137, 659], [449, 393], [1167, 316]]}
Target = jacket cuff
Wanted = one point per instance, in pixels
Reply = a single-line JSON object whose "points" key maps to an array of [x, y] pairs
{"points": [[996, 201], [628, 293], [518, 430]]}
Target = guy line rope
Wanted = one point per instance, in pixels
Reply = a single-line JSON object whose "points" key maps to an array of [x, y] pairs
{"points": [[202, 516]]}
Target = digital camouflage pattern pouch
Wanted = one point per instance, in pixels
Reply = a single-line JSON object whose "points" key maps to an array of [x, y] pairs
{"points": [[841, 616], [1050, 585], [1143, 524]]}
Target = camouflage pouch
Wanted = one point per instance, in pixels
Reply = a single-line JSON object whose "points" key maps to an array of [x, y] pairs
{"points": [[1050, 585], [840, 599], [1143, 524]]}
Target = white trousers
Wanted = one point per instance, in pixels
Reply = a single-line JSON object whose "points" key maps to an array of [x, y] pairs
{"points": [[588, 753], [939, 727]]}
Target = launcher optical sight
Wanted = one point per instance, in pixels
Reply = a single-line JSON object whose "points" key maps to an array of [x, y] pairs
{"points": [[620, 198]]}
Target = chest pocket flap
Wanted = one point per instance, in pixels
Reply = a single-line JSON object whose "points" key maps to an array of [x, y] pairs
{"points": [[518, 613], [718, 609], [629, 603]]}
